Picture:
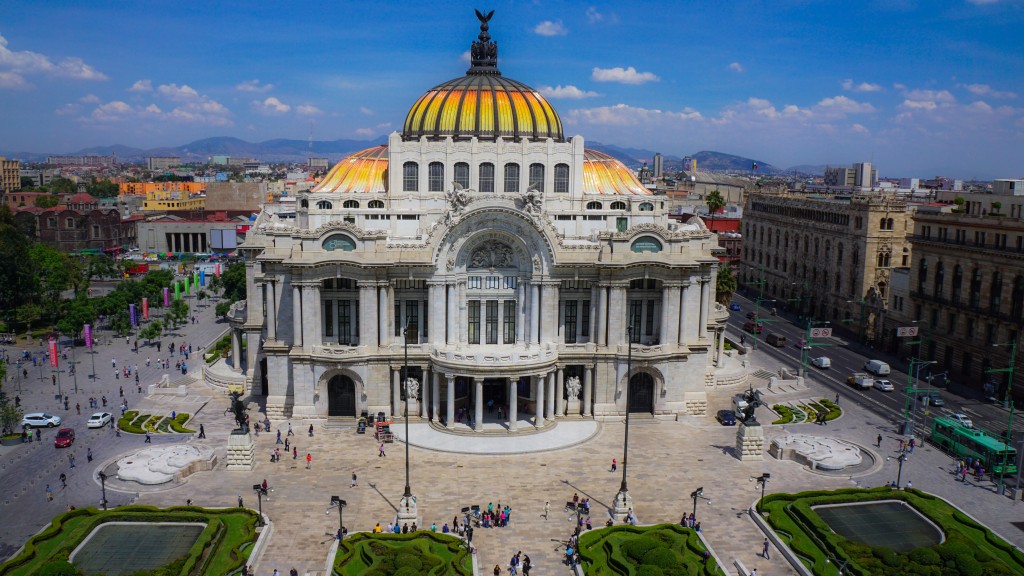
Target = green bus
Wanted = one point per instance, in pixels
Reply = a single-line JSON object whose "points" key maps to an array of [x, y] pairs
{"points": [[954, 438]]}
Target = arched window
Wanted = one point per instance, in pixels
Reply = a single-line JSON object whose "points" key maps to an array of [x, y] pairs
{"points": [[487, 177], [594, 206], [922, 275], [1017, 301], [350, 204], [958, 282], [618, 206], [561, 178], [975, 288], [646, 244], [940, 279], [324, 205], [646, 207], [462, 174], [511, 177], [304, 203], [906, 256], [881, 224], [339, 242], [888, 223], [995, 295], [435, 177], [376, 204], [410, 177], [537, 177]]}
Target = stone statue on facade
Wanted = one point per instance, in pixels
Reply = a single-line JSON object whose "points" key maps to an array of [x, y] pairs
{"points": [[493, 254], [238, 410], [533, 201], [572, 388], [412, 388], [457, 198]]}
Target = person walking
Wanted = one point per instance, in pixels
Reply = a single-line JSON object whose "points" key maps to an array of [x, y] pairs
{"points": [[547, 509], [295, 452], [279, 436], [78, 408], [88, 454], [380, 451], [764, 550], [878, 441], [290, 433], [354, 483], [71, 460], [202, 431], [63, 480], [309, 461], [49, 493], [149, 439], [615, 464]]}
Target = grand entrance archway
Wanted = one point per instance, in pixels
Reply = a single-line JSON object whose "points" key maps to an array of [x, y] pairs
{"points": [[641, 393], [341, 396]]}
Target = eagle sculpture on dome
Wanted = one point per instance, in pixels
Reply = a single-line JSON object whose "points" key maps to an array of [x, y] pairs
{"points": [[484, 52]]}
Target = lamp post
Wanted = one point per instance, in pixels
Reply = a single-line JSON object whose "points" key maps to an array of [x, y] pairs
{"points": [[103, 488], [697, 495], [910, 412], [763, 481], [258, 490], [74, 370], [758, 321], [1007, 399], [899, 472], [337, 502], [807, 343], [623, 501], [407, 508]]}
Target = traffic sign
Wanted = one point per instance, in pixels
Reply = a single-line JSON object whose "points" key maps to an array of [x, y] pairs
{"points": [[904, 331], [821, 332]]}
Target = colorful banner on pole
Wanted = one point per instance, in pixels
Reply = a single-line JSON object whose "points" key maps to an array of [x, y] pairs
{"points": [[202, 277], [188, 285], [145, 308], [177, 291], [131, 313], [216, 270], [88, 335], [53, 352]]}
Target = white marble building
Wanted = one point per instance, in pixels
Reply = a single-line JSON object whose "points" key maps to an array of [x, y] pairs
{"points": [[513, 257]]}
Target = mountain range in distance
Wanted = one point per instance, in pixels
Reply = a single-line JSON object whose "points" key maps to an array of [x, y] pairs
{"points": [[290, 150]]}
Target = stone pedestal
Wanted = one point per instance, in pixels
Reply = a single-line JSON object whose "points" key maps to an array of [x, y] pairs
{"points": [[408, 513], [572, 407], [620, 508], [750, 442], [241, 452]]}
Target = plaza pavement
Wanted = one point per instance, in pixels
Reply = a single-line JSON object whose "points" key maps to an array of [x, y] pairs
{"points": [[668, 460]]}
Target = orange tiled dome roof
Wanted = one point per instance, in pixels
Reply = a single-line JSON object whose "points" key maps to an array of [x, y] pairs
{"points": [[362, 172], [603, 174]]}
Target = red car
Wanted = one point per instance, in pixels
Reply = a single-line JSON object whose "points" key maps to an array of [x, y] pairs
{"points": [[753, 327], [65, 437], [752, 315]]}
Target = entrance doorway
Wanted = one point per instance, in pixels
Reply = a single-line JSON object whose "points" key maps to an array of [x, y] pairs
{"points": [[341, 396], [495, 394], [641, 393], [264, 382]]}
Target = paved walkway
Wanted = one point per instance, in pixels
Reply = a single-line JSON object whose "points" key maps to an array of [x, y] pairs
{"points": [[566, 434]]}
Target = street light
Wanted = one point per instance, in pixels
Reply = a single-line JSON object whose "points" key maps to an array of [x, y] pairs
{"points": [[899, 472], [1007, 399], [763, 481], [807, 343], [757, 316], [910, 415], [836, 561], [258, 489], [103, 488], [337, 502], [622, 500], [697, 495], [405, 369]]}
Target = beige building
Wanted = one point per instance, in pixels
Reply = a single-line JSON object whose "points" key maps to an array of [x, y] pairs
{"points": [[826, 258], [967, 292], [235, 195], [157, 163], [10, 175]]}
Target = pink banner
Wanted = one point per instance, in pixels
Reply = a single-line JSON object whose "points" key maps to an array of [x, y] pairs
{"points": [[216, 270], [145, 308], [167, 297], [53, 352], [88, 335]]}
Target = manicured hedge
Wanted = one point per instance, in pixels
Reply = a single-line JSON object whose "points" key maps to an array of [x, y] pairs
{"points": [[221, 548], [969, 549], [660, 550], [178, 424], [413, 554], [784, 412]]}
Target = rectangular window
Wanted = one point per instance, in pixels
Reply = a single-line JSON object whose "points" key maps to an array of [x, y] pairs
{"points": [[436, 177], [492, 321], [487, 177], [585, 319], [537, 177], [344, 322], [412, 319], [493, 282], [410, 177], [635, 315], [561, 178], [474, 321], [474, 282], [398, 318], [462, 174], [511, 177], [570, 315], [970, 328], [509, 322], [329, 318], [951, 323], [511, 282], [649, 329], [426, 317]]}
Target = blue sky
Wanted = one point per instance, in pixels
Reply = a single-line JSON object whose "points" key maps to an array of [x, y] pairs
{"points": [[922, 88]]}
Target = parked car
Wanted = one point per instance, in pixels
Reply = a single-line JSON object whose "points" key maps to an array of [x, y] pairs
{"points": [[823, 362], [726, 417], [754, 327], [884, 385], [963, 419], [931, 399], [877, 367], [65, 437], [99, 420], [40, 420], [734, 307]]}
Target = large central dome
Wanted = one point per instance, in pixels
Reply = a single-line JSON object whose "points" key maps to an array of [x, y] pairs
{"points": [[482, 103]]}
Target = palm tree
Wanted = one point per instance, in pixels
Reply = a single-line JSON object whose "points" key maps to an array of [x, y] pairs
{"points": [[715, 203], [725, 284]]}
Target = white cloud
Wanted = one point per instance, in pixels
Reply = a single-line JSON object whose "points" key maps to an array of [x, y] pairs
{"points": [[622, 75], [183, 93], [308, 110], [568, 92], [593, 16], [271, 106], [114, 111], [919, 104], [254, 86], [27, 62], [201, 110], [142, 86], [626, 115], [980, 106], [375, 131], [937, 96], [859, 129], [986, 90], [13, 81], [365, 111], [550, 28], [90, 99], [466, 58], [736, 67], [862, 87], [983, 2], [843, 105], [67, 110]]}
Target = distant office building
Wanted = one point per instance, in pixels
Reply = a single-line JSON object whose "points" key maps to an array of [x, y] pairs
{"points": [[159, 163], [40, 177], [81, 160], [689, 164], [659, 165], [910, 183], [1008, 187], [219, 160], [10, 176], [163, 200], [235, 195], [144, 188], [319, 164], [942, 183], [860, 175]]}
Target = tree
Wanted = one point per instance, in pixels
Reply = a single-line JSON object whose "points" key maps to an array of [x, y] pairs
{"points": [[16, 277], [62, 185], [48, 201], [151, 332], [725, 284], [78, 312], [959, 202], [222, 309], [27, 182], [202, 295], [233, 280], [715, 203]]}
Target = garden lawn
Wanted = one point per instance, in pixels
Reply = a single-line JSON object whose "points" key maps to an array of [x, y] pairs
{"points": [[413, 554], [660, 550]]}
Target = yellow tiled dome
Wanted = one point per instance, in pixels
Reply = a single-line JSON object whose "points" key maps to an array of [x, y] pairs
{"points": [[362, 172], [603, 174]]}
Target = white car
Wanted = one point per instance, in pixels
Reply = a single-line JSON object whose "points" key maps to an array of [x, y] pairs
{"points": [[822, 362], [884, 385], [963, 419], [40, 420], [99, 420]]}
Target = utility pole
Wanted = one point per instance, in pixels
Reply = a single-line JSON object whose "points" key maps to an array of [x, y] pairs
{"points": [[1007, 399]]}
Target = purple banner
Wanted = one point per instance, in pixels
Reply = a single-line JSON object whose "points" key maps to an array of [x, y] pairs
{"points": [[167, 297], [88, 335], [131, 313]]}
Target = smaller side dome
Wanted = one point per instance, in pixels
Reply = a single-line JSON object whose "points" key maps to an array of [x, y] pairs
{"points": [[359, 173], [603, 174]]}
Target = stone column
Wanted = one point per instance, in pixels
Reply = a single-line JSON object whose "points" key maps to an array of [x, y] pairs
{"points": [[592, 311], [669, 315], [685, 332], [396, 393], [450, 415], [368, 314], [617, 321], [463, 308], [424, 390], [705, 295], [437, 320], [721, 349], [513, 403], [549, 397], [236, 350], [478, 412], [534, 313], [312, 329], [549, 302], [560, 393], [452, 317], [271, 311], [538, 381], [296, 315], [435, 395], [382, 314], [520, 312], [588, 389], [602, 315]]}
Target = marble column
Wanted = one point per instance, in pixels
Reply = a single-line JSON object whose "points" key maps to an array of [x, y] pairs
{"points": [[602, 316], [592, 311], [520, 312], [396, 394], [538, 381], [549, 304], [560, 393], [617, 321], [478, 412], [271, 312], [705, 297], [450, 415], [588, 389], [424, 391], [312, 324], [463, 314], [549, 397], [669, 315], [452, 318], [437, 319], [236, 350], [534, 313], [721, 348], [685, 333], [435, 395], [513, 403], [368, 314], [382, 315], [296, 315]]}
